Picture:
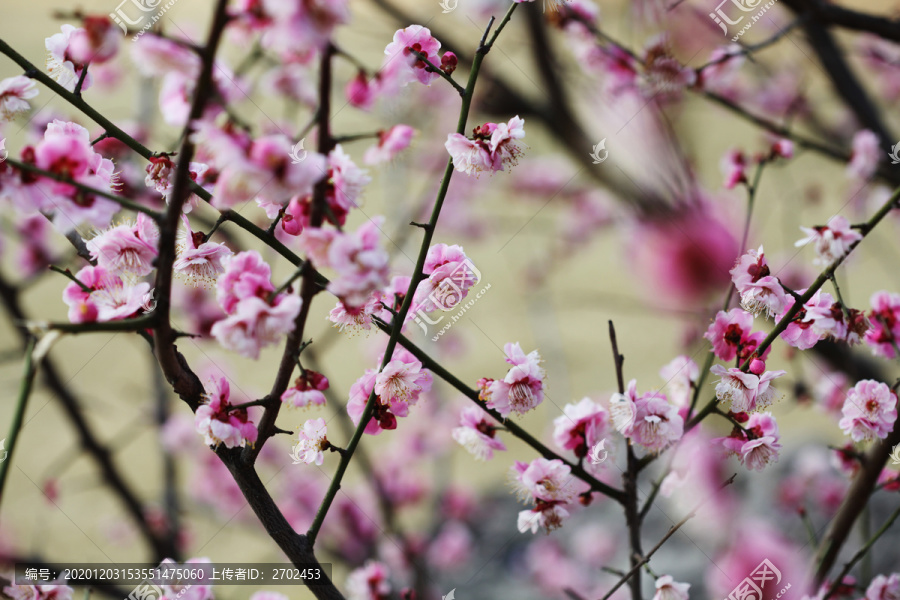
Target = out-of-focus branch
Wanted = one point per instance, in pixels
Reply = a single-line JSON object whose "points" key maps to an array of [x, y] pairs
{"points": [[88, 439], [834, 14], [844, 82], [559, 121], [645, 559], [19, 412]]}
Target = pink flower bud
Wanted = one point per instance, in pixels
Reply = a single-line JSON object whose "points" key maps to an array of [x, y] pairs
{"points": [[757, 366], [449, 62]]}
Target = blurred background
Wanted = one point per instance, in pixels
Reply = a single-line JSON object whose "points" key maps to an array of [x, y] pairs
{"points": [[557, 240]]}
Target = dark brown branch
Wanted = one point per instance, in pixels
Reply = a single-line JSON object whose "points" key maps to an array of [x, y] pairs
{"points": [[845, 83], [854, 503], [833, 14], [182, 379], [309, 286], [629, 484], [294, 545]]}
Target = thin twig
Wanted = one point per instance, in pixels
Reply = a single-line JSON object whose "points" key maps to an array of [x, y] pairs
{"points": [[645, 559], [19, 413]]}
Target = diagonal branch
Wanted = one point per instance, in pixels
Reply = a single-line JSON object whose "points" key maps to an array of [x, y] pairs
{"points": [[417, 276], [88, 439]]}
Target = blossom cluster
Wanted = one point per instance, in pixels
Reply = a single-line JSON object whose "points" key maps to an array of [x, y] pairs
{"points": [[257, 315]]}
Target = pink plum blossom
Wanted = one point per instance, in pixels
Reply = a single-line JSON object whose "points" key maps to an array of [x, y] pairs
{"points": [[127, 249], [469, 156], [403, 64], [450, 276], [760, 291], [254, 319], [523, 386], [685, 256], [669, 589], [656, 423], [155, 56], [96, 43], [664, 76], [550, 484], [218, 422], [108, 298], [746, 391], [758, 445], [547, 480], [161, 175], [547, 516], [733, 166], [307, 390], [722, 70], [361, 91], [401, 381], [256, 323], [869, 411], [390, 143], [830, 242], [504, 148], [14, 95], [580, 427], [493, 147], [358, 258], [347, 180], [311, 443], [477, 434], [884, 587], [822, 317], [783, 148], [246, 275], [884, 334], [259, 169], [199, 261], [866, 155], [369, 582], [731, 335], [60, 63], [53, 591], [66, 151], [356, 319], [400, 387]]}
